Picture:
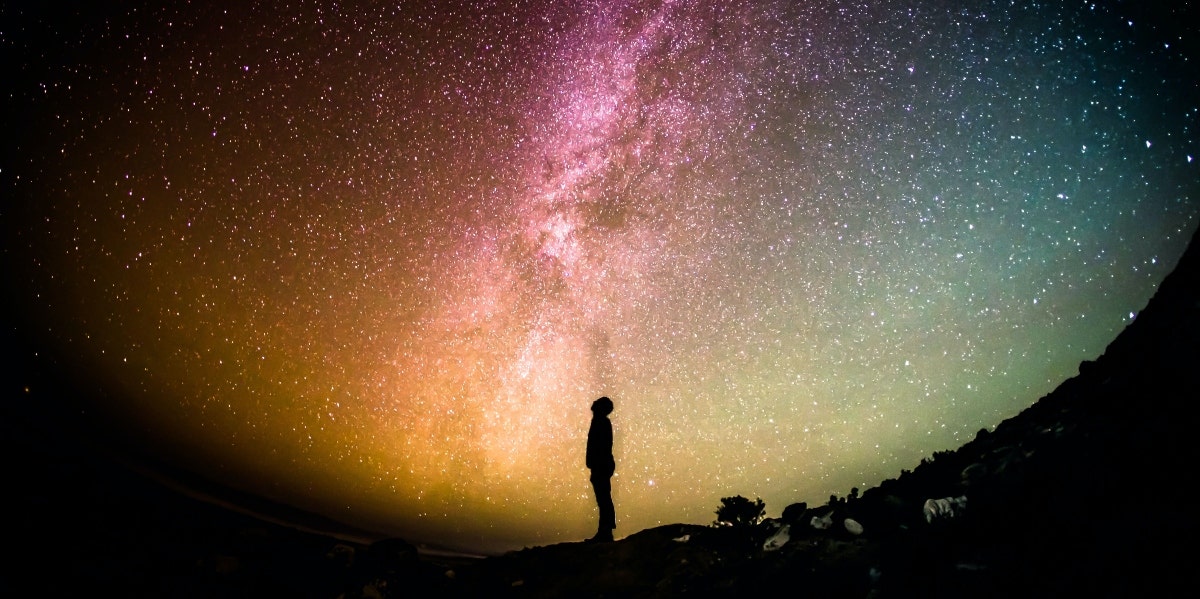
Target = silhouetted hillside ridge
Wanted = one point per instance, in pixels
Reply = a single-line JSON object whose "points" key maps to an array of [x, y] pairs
{"points": [[1086, 492], [1082, 492]]}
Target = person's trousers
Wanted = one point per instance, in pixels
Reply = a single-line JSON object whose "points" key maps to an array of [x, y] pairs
{"points": [[602, 487]]}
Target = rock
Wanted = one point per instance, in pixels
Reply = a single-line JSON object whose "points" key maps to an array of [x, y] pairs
{"points": [[822, 522], [779, 539], [794, 512], [944, 508], [853, 527]]}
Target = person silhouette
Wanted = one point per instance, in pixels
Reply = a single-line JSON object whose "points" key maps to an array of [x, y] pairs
{"points": [[600, 461]]}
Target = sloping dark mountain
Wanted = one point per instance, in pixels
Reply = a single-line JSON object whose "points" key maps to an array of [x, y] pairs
{"points": [[1085, 492]]}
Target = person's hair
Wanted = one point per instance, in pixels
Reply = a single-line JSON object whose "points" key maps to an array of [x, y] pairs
{"points": [[603, 406]]}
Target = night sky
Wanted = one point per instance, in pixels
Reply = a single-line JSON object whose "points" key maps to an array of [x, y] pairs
{"points": [[376, 260]]}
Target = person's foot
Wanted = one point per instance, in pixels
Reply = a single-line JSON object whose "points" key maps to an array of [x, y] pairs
{"points": [[600, 538]]}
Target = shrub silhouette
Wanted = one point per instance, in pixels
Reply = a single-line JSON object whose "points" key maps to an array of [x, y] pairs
{"points": [[740, 512]]}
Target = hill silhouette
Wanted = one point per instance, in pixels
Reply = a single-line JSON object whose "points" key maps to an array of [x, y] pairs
{"points": [[1085, 492]]}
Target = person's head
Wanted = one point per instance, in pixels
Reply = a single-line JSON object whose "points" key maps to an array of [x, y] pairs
{"points": [[602, 406]]}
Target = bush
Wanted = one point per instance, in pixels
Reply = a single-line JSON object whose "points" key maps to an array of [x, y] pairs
{"points": [[740, 512]]}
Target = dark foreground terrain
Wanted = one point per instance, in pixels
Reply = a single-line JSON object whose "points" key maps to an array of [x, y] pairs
{"points": [[1087, 492]]}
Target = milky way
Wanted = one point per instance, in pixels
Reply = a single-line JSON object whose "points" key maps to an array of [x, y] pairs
{"points": [[377, 260]]}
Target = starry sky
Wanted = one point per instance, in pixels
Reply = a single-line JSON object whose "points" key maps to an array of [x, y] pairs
{"points": [[376, 260]]}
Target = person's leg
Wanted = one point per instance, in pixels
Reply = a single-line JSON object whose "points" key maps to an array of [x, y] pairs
{"points": [[608, 514], [602, 488]]}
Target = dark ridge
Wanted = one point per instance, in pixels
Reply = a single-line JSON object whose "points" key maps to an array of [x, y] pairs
{"points": [[1083, 493]]}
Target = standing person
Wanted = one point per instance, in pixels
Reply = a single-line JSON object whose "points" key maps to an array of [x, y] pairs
{"points": [[600, 461]]}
